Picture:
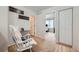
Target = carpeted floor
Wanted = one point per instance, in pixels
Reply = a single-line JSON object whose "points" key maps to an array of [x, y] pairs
{"points": [[49, 45]]}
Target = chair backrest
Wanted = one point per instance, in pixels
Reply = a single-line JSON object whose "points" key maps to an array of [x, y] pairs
{"points": [[15, 34], [17, 37]]}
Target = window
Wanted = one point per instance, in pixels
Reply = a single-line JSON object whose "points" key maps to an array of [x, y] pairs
{"points": [[50, 23]]}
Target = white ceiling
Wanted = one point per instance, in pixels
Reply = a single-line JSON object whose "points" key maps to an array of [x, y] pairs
{"points": [[37, 8]]}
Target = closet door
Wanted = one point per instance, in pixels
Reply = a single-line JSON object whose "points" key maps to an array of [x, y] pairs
{"points": [[65, 26]]}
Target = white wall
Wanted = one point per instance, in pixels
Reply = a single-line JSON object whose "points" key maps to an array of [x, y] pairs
{"points": [[3, 27], [24, 24], [76, 27], [18, 23], [27, 12], [40, 25]]}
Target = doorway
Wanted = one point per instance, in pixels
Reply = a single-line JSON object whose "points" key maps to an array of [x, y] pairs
{"points": [[50, 23]]}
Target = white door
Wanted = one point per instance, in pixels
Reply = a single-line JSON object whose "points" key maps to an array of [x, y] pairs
{"points": [[65, 26]]}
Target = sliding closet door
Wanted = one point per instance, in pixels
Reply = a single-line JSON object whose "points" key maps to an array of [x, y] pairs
{"points": [[65, 26]]}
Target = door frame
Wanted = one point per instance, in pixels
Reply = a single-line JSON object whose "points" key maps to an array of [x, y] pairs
{"points": [[59, 25]]}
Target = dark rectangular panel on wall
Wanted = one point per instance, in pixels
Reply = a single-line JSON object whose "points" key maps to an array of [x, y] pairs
{"points": [[12, 9], [23, 17]]}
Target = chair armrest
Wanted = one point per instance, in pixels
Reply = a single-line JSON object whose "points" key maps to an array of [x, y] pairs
{"points": [[26, 35], [27, 40]]}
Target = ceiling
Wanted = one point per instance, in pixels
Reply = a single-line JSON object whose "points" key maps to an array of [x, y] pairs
{"points": [[37, 8]]}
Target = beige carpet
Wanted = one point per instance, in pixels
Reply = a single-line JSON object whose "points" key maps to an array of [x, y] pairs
{"points": [[49, 45]]}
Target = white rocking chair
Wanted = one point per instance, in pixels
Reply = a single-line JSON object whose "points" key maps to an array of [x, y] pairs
{"points": [[21, 45]]}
